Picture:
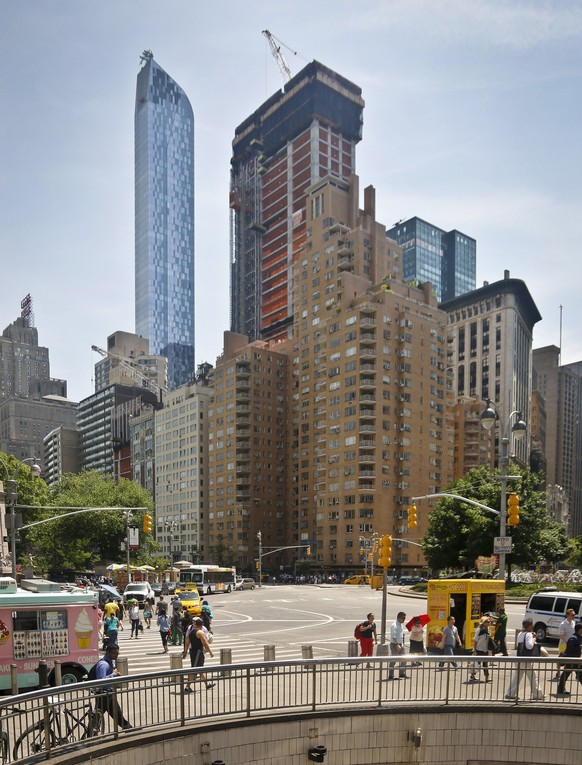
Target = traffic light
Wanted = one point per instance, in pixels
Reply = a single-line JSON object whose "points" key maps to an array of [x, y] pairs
{"points": [[512, 510], [412, 523], [147, 523], [308, 551], [257, 566], [385, 559]]}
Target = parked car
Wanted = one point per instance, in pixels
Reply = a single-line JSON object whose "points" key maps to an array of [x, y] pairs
{"points": [[244, 584], [157, 588], [548, 608], [138, 591]]}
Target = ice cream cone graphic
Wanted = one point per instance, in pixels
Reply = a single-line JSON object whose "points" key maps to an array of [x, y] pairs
{"points": [[83, 629]]}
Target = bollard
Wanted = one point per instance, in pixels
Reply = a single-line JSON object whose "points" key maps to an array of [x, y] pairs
{"points": [[225, 658], [42, 674], [269, 656], [14, 679], [121, 665], [353, 647], [58, 676], [307, 651]]}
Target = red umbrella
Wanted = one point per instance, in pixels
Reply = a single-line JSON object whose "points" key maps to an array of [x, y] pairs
{"points": [[424, 619]]}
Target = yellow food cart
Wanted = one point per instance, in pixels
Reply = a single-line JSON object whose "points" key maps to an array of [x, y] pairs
{"points": [[465, 599]]}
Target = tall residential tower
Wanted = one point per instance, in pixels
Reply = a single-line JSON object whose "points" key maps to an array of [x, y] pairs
{"points": [[164, 219], [305, 132]]}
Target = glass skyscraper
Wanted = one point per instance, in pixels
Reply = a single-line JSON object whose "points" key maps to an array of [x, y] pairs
{"points": [[446, 259], [164, 219]]}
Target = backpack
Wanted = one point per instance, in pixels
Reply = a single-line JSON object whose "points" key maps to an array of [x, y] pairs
{"points": [[357, 633], [92, 674]]}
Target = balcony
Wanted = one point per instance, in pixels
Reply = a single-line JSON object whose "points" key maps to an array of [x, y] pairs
{"points": [[367, 428], [367, 443], [367, 337], [369, 353], [366, 413], [367, 383]]}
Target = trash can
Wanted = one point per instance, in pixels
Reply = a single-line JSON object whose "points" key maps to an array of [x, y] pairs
{"points": [[269, 656], [307, 652], [121, 665], [382, 649]]}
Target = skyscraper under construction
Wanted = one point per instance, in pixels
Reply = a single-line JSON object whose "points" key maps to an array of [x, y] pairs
{"points": [[305, 132]]}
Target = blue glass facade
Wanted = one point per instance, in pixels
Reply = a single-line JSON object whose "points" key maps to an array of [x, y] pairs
{"points": [[447, 260], [164, 220]]}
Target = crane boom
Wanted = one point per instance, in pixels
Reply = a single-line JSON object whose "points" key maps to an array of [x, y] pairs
{"points": [[278, 55], [132, 369]]}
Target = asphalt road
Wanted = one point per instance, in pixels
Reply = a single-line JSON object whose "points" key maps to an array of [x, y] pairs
{"points": [[289, 617]]}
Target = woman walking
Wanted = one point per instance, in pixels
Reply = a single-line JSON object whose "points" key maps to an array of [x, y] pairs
{"points": [[164, 626], [134, 618]]}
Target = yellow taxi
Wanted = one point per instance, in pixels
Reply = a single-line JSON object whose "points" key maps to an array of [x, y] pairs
{"points": [[191, 600], [358, 579]]}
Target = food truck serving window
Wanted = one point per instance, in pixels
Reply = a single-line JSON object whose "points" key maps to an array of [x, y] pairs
{"points": [[40, 633]]}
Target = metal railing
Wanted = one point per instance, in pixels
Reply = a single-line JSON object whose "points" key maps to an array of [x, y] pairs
{"points": [[39, 725]]}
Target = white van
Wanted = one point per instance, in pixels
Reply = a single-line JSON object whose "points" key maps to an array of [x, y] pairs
{"points": [[548, 609]]}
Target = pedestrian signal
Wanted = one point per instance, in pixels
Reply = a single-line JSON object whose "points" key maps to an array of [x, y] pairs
{"points": [[385, 558], [412, 523], [513, 510], [147, 523]]}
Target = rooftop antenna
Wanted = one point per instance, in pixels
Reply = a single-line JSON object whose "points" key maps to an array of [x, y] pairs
{"points": [[560, 354]]}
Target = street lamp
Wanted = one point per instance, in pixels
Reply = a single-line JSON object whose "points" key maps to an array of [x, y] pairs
{"points": [[260, 538], [171, 526], [489, 417], [12, 497]]}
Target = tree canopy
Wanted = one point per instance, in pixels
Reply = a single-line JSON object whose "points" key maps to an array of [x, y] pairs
{"points": [[458, 533], [81, 540]]}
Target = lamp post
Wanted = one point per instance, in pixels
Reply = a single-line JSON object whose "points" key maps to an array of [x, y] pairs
{"points": [[489, 417], [171, 526], [12, 496]]}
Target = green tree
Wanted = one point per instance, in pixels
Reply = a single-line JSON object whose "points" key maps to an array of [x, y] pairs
{"points": [[458, 533], [79, 541]]}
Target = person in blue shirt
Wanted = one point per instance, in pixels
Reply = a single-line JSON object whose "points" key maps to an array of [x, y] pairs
{"points": [[106, 700]]}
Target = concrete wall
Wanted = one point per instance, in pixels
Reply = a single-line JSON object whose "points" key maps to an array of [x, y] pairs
{"points": [[496, 735]]}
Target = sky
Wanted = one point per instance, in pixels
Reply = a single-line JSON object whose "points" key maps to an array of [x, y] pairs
{"points": [[472, 121]]}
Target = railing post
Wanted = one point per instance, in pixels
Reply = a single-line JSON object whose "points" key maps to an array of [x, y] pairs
{"points": [[248, 692]]}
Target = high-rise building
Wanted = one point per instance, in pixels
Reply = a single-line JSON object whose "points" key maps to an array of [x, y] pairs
{"points": [[164, 219], [446, 259], [489, 353], [61, 454], [560, 385], [127, 361], [303, 133]]}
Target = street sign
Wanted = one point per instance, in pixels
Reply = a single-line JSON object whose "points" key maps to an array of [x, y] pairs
{"points": [[502, 545]]}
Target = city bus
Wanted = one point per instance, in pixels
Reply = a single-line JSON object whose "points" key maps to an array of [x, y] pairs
{"points": [[207, 578]]}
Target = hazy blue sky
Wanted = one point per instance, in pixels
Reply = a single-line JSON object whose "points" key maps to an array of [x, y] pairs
{"points": [[472, 121]]}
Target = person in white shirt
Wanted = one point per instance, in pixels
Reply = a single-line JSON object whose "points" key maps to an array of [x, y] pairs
{"points": [[397, 646], [526, 646], [565, 632]]}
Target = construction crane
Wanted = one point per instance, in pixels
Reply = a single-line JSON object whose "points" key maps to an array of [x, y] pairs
{"points": [[278, 55], [132, 369]]}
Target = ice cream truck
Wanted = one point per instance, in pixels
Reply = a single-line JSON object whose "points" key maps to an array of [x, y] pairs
{"points": [[40, 621], [465, 599]]}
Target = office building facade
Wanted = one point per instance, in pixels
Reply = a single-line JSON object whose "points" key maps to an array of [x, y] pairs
{"points": [[301, 134], [446, 259], [489, 353], [164, 219]]}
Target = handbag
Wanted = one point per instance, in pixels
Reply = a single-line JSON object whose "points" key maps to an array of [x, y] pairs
{"points": [[210, 638]]}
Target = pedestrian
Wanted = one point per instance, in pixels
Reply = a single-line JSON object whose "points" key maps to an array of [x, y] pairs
{"points": [[565, 632], [100, 623], [501, 632], [164, 627], [397, 647], [197, 645], [147, 613], [574, 651], [162, 606], [186, 620], [526, 646], [110, 608], [481, 640], [176, 610], [451, 640], [417, 638], [134, 618], [368, 636], [111, 627], [105, 699], [207, 615]]}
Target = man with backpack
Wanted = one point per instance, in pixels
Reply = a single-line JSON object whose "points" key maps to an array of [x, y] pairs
{"points": [[366, 634], [105, 698]]}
